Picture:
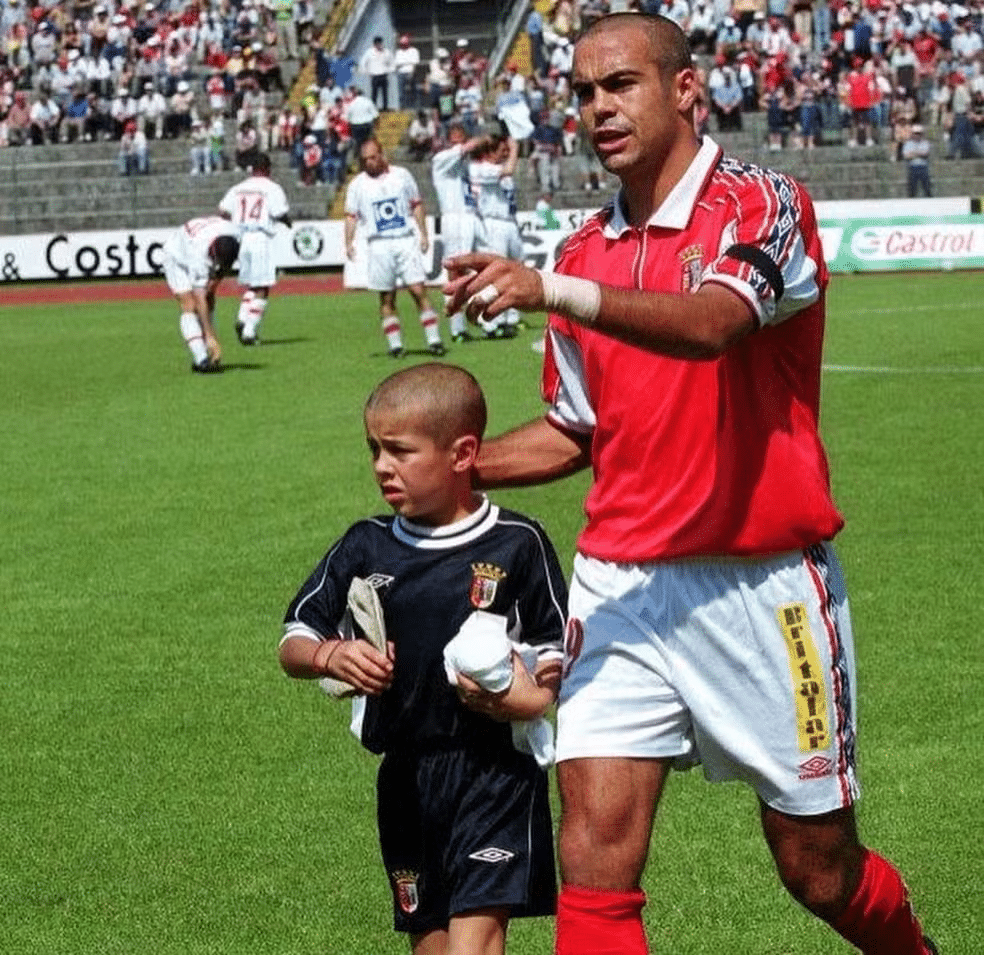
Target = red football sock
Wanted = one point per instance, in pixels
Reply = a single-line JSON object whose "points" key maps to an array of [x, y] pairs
{"points": [[600, 922], [879, 919]]}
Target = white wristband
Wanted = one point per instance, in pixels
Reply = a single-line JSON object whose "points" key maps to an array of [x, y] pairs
{"points": [[576, 298]]}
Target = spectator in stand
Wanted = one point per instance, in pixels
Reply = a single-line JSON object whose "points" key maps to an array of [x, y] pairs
{"points": [[468, 104], [361, 115], [442, 106], [406, 60], [19, 120], [726, 100], [285, 129], [963, 141], [547, 145], [904, 115], [702, 30], [534, 32], [304, 21], [45, 117], [216, 94], [122, 109], [286, 28], [862, 93], [729, 39], [915, 151], [421, 136], [926, 47], [377, 64], [438, 72], [200, 151], [267, 68], [252, 105], [216, 139], [966, 44], [151, 110], [76, 117], [808, 92], [134, 156], [247, 144], [177, 121], [97, 31]]}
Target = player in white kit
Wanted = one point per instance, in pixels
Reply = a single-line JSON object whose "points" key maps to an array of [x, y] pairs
{"points": [[196, 258], [492, 179], [385, 202], [456, 201], [255, 206]]}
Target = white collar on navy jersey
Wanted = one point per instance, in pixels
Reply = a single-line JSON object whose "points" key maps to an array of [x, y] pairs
{"points": [[448, 535], [675, 211]]}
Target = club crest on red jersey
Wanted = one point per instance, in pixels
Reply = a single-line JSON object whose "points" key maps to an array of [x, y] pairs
{"points": [[692, 260], [485, 585], [406, 890]]}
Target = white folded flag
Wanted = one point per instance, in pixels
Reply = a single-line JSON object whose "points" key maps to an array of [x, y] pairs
{"points": [[482, 650]]}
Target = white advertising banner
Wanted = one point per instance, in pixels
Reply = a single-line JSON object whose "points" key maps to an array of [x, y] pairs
{"points": [[858, 236]]}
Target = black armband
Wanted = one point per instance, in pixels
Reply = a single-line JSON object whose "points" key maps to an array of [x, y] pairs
{"points": [[754, 256]]}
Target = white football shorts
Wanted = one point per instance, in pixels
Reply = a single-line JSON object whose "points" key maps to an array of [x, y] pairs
{"points": [[180, 279], [743, 666], [395, 263], [458, 233], [256, 266], [501, 237]]}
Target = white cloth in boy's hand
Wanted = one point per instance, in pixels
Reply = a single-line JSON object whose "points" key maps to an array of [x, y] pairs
{"points": [[482, 651]]}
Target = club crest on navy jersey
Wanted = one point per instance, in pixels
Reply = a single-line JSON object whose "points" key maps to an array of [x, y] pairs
{"points": [[692, 259], [485, 584], [406, 890]]}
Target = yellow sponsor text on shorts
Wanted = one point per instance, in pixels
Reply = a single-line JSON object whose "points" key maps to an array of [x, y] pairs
{"points": [[809, 690]]}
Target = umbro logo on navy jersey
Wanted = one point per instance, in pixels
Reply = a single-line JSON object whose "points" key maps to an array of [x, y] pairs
{"points": [[492, 854], [378, 581]]}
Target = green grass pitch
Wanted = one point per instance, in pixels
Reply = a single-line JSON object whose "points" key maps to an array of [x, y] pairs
{"points": [[166, 790]]}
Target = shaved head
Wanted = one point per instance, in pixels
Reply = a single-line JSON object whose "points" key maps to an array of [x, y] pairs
{"points": [[446, 400], [668, 44]]}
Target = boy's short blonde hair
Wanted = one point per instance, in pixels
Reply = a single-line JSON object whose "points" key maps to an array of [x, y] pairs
{"points": [[447, 398]]}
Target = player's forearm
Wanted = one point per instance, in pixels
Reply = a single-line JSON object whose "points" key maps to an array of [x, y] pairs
{"points": [[698, 326], [306, 659], [534, 453]]}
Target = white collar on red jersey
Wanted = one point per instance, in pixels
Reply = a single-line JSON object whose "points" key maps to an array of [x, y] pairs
{"points": [[677, 207]]}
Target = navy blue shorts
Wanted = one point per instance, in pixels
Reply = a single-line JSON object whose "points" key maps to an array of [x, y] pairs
{"points": [[461, 830]]}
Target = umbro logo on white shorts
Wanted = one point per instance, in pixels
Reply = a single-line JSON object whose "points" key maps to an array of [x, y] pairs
{"points": [[492, 855]]}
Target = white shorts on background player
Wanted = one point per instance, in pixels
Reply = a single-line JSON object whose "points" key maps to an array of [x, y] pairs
{"points": [[256, 265], [394, 263], [746, 666], [459, 232], [501, 237]]}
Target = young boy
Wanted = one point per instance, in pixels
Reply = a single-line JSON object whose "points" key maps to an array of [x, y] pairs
{"points": [[464, 820]]}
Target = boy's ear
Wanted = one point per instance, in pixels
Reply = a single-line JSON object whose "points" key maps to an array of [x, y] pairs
{"points": [[464, 451]]}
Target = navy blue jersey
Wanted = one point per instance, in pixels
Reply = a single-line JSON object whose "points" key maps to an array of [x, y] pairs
{"points": [[429, 580]]}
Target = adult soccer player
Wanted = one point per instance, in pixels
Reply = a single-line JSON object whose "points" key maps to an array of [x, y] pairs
{"points": [[709, 618], [255, 206], [457, 204], [385, 201], [196, 259]]}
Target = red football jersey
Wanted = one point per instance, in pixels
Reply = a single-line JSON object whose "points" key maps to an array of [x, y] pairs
{"points": [[716, 457]]}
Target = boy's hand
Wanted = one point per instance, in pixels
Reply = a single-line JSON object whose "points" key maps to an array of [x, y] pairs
{"points": [[526, 698], [362, 666]]}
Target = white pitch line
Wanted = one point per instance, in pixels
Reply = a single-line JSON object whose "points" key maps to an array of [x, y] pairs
{"points": [[897, 309], [876, 370]]}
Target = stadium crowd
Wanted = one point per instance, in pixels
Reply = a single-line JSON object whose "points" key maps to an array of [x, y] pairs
{"points": [[858, 71]]}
